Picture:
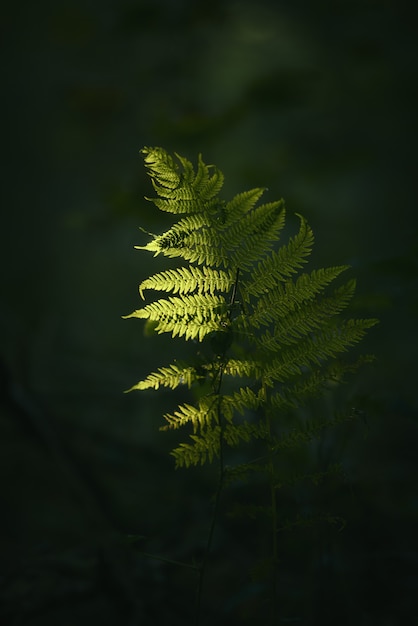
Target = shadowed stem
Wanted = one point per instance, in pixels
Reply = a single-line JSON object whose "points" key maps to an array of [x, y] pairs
{"points": [[274, 523], [202, 569], [220, 420]]}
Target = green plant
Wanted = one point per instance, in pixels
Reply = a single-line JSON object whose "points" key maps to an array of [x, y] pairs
{"points": [[268, 334]]}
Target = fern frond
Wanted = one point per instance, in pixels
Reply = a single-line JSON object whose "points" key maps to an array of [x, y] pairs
{"points": [[205, 185], [188, 224], [187, 170], [204, 280], [309, 431], [171, 376], [191, 316], [180, 190], [280, 264], [233, 434], [250, 368], [271, 332], [244, 398], [309, 316], [339, 369], [201, 417], [243, 470], [241, 204], [315, 477], [285, 298], [204, 448], [252, 237], [206, 445], [294, 395], [203, 245], [315, 350], [270, 327], [163, 171], [245, 431]]}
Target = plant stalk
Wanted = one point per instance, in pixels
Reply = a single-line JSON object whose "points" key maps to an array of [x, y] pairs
{"points": [[220, 420]]}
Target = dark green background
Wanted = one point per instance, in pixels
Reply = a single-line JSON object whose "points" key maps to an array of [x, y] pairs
{"points": [[316, 101]]}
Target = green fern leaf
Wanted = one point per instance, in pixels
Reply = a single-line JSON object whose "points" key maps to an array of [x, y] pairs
{"points": [[171, 376], [281, 264], [273, 332], [311, 385], [241, 204], [244, 398], [204, 448], [308, 317], [249, 368], [180, 190], [286, 297], [309, 431], [207, 186], [182, 280], [203, 246], [252, 237], [162, 169], [192, 316], [313, 351], [201, 417]]}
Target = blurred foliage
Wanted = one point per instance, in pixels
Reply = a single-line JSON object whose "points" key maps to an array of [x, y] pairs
{"points": [[318, 102]]}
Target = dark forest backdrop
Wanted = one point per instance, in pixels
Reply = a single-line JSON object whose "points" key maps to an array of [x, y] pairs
{"points": [[315, 100]]}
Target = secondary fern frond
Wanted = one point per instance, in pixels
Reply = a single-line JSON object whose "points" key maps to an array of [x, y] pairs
{"points": [[311, 430], [252, 237], [281, 264], [313, 384], [315, 350], [308, 317], [286, 297]]}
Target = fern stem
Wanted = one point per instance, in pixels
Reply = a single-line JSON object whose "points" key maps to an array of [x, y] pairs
{"points": [[220, 420], [274, 521], [202, 569]]}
